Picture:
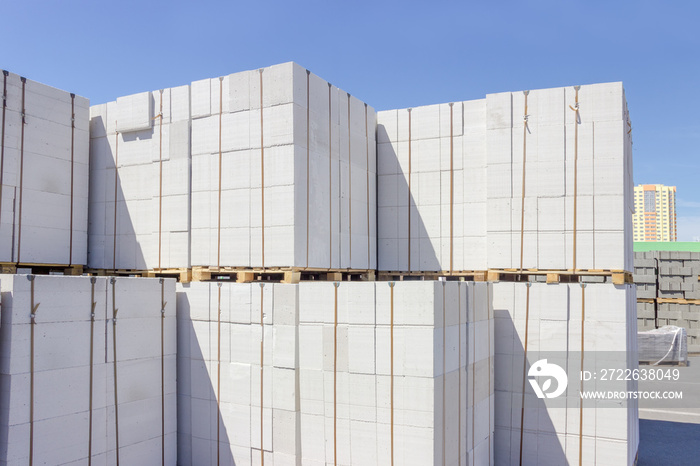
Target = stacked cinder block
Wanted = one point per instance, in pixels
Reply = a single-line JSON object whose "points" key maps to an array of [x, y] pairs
{"points": [[558, 323], [431, 164], [670, 278], [645, 274], [541, 180], [353, 373], [43, 174], [65, 399], [291, 185], [678, 274]]}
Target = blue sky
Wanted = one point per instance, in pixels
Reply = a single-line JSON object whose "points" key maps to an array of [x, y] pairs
{"points": [[391, 55]]}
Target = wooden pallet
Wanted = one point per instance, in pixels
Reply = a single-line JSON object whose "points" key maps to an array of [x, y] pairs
{"points": [[677, 301], [665, 363], [462, 275], [619, 277], [42, 269], [281, 274]]}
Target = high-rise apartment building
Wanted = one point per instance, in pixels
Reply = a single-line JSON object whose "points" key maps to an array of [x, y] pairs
{"points": [[655, 213]]}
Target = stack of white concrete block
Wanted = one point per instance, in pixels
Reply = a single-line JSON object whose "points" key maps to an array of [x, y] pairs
{"points": [[306, 373], [431, 164], [64, 347], [464, 167], [140, 181], [578, 179], [297, 178], [290, 185], [43, 174], [546, 323]]}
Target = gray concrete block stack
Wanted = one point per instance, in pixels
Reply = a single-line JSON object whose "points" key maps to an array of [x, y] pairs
{"points": [[678, 274], [668, 292]]}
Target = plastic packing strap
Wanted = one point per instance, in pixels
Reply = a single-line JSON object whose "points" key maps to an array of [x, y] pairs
{"points": [[580, 407], [575, 108], [72, 173], [330, 179], [391, 364], [2, 132], [349, 187], [452, 189], [113, 281], [163, 303], [308, 161], [409, 189], [160, 180], [21, 171], [218, 374], [262, 172], [218, 224], [33, 311], [522, 196], [93, 304], [367, 194], [262, 346], [335, 374], [522, 402]]}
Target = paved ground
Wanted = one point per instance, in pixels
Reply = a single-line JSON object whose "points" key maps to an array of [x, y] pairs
{"points": [[670, 430]]}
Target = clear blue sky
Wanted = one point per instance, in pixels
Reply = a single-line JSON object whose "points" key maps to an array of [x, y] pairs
{"points": [[391, 55]]}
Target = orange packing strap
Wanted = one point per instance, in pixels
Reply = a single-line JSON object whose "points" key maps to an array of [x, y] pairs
{"points": [[162, 370], [349, 186], [262, 354], [444, 369], [367, 172], [489, 317], [2, 132], [459, 379], [452, 188], [330, 179], [391, 365], [218, 375], [218, 225], [522, 204], [33, 309], [116, 185], [72, 171], [160, 180], [580, 407], [21, 171], [113, 281], [409, 189], [576, 123], [308, 160], [262, 171], [93, 304], [335, 375], [522, 400], [473, 339]]}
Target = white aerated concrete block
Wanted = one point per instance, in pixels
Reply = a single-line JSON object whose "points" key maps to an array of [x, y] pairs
{"points": [[549, 318], [64, 371], [46, 135]]}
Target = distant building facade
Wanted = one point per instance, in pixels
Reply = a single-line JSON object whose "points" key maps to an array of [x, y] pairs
{"points": [[655, 213]]}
